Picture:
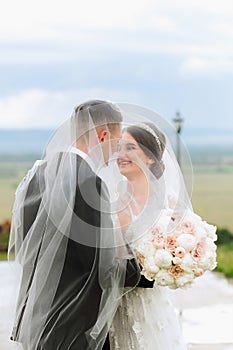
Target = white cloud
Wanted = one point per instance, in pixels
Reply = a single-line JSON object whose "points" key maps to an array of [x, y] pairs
{"points": [[58, 31], [223, 7], [36, 56], [42, 108], [133, 44], [59, 20], [206, 66], [51, 19], [223, 29]]}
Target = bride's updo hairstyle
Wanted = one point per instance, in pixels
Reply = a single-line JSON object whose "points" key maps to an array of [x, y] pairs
{"points": [[152, 141]]}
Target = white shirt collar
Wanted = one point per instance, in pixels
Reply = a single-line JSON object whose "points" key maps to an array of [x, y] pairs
{"points": [[84, 156]]}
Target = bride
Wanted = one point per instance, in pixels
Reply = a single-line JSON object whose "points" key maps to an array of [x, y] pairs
{"points": [[145, 318]]}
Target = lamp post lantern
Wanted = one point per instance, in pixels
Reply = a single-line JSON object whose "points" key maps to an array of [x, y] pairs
{"points": [[178, 125]]}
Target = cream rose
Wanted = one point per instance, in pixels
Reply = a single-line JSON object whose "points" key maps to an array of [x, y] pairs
{"points": [[208, 262], [210, 231], [187, 241], [163, 278], [150, 265], [163, 258], [145, 248], [180, 252], [185, 280], [187, 263]]}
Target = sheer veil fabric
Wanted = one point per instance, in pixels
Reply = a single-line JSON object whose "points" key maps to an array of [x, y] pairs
{"points": [[170, 191], [145, 318], [48, 221]]}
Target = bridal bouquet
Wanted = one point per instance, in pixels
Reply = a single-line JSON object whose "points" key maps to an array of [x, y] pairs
{"points": [[175, 260]]}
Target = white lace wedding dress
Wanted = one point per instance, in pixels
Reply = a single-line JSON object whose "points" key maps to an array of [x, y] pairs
{"points": [[146, 320]]}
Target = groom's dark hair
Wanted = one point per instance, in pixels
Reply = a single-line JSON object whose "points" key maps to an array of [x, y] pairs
{"points": [[101, 112]]}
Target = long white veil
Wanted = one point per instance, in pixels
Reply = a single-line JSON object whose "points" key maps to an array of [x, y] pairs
{"points": [[46, 219], [171, 191], [49, 223]]}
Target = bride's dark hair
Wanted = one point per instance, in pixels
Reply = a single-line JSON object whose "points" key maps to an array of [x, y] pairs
{"points": [[152, 146]]}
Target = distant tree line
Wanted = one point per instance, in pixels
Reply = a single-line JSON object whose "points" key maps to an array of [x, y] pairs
{"points": [[5, 226], [4, 235], [225, 236]]}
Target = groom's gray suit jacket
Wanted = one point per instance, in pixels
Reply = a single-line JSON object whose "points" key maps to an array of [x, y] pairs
{"points": [[67, 321]]}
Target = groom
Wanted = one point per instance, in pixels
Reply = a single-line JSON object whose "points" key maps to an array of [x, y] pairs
{"points": [[75, 307]]}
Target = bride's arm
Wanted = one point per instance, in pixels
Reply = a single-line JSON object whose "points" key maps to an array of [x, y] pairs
{"points": [[125, 220]]}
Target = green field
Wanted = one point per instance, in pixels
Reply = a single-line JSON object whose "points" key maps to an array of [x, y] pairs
{"points": [[212, 196], [225, 259], [212, 199], [11, 174]]}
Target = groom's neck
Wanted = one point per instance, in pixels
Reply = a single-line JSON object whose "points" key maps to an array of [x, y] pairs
{"points": [[82, 147]]}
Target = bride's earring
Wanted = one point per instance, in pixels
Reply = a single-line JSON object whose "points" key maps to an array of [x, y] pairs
{"points": [[149, 162]]}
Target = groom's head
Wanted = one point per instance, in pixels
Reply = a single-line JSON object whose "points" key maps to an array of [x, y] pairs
{"points": [[102, 117]]}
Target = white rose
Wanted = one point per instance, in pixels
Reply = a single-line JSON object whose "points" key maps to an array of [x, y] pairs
{"points": [[159, 245], [187, 241], [176, 260], [180, 252], [210, 230], [187, 263], [208, 261], [210, 245], [185, 280], [192, 217], [164, 222], [149, 275], [163, 258], [198, 272], [146, 248], [200, 232], [163, 278], [149, 265]]}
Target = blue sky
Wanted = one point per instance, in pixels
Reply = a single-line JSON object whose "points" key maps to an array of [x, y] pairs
{"points": [[164, 55]]}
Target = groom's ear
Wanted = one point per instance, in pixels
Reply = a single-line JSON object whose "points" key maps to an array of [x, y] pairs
{"points": [[102, 135]]}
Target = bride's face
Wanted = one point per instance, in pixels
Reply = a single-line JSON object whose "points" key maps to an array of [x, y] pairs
{"points": [[131, 158]]}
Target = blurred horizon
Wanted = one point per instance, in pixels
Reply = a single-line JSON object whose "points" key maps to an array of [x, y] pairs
{"points": [[35, 139]]}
